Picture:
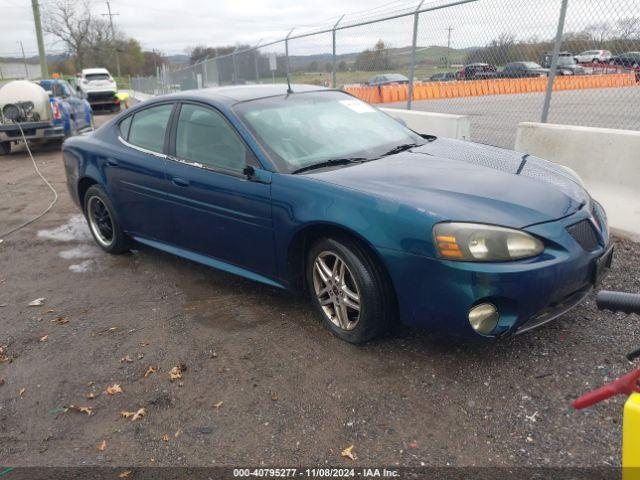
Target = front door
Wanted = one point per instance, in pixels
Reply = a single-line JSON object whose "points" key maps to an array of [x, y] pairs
{"points": [[217, 211]]}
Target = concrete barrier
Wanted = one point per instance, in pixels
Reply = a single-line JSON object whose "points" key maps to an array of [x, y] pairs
{"points": [[608, 161], [438, 124]]}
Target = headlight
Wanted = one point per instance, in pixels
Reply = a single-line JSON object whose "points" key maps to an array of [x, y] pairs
{"points": [[474, 242]]}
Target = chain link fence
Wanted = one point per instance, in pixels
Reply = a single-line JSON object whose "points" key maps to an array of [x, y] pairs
{"points": [[499, 61]]}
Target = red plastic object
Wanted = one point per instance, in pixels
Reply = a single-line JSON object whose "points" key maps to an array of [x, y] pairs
{"points": [[624, 385]]}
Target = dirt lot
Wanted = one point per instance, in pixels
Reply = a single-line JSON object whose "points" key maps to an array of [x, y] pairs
{"points": [[264, 382]]}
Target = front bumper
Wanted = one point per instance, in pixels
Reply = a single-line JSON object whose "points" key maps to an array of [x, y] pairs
{"points": [[437, 294], [32, 131]]}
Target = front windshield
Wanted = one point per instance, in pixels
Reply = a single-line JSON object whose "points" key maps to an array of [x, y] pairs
{"points": [[304, 129]]}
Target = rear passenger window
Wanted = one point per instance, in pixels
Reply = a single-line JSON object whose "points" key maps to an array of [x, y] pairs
{"points": [[124, 127], [148, 127]]}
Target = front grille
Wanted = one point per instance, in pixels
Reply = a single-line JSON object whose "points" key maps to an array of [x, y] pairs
{"points": [[585, 234]]}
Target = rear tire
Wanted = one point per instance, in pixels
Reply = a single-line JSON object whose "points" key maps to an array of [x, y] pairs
{"points": [[103, 221], [5, 148], [349, 290]]}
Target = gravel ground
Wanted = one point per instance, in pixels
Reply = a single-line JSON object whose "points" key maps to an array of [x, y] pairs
{"points": [[264, 383]]}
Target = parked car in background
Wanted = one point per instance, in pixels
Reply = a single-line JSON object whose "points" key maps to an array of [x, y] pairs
{"points": [[305, 187], [387, 79], [99, 88], [47, 110], [567, 64], [517, 70], [441, 77], [627, 60], [593, 56], [472, 70]]}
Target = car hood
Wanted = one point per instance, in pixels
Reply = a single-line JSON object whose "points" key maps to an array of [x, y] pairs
{"points": [[457, 180]]}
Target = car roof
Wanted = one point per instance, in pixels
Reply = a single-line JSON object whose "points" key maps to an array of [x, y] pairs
{"points": [[86, 71], [240, 93]]}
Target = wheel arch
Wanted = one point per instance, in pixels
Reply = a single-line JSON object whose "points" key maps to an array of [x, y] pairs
{"points": [[84, 183], [302, 240]]}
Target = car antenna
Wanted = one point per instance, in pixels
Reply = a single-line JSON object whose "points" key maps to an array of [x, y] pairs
{"points": [[289, 91], [286, 45]]}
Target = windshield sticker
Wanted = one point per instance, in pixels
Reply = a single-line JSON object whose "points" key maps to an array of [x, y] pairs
{"points": [[357, 106]]}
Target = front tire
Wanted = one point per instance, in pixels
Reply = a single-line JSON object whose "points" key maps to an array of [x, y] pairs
{"points": [[103, 222], [349, 290]]}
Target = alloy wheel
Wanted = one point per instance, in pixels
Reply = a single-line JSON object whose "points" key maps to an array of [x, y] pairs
{"points": [[336, 290], [100, 221]]}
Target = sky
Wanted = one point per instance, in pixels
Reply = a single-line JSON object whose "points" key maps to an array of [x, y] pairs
{"points": [[172, 26]]}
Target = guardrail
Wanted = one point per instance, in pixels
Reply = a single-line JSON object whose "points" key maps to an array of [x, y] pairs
{"points": [[496, 86]]}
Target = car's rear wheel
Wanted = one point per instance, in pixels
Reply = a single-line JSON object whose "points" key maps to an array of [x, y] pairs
{"points": [[349, 290], [5, 148], [103, 222]]}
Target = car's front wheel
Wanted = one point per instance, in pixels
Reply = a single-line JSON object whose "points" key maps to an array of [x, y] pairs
{"points": [[349, 289], [103, 222]]}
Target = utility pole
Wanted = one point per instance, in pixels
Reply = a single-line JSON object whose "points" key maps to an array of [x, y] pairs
{"points": [[24, 60], [44, 71], [449, 45], [113, 34]]}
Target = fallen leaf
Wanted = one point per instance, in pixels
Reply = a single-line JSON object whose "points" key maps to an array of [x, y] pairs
{"points": [[125, 474], [149, 371], [90, 395], [165, 437], [103, 446], [37, 302], [176, 372], [126, 359], [140, 356], [1, 381], [348, 452], [137, 415], [113, 389], [218, 405], [112, 329], [44, 339], [214, 355], [178, 433], [51, 310], [274, 397], [4, 305], [60, 320], [91, 383], [86, 410], [143, 344], [21, 391]]}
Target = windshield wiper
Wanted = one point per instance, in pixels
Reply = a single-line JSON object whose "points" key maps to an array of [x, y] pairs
{"points": [[401, 148], [331, 163]]}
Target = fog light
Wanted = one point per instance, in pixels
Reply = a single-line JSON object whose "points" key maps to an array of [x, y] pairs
{"points": [[484, 318]]}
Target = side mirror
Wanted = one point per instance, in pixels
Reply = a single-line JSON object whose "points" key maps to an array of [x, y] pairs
{"points": [[257, 175]]}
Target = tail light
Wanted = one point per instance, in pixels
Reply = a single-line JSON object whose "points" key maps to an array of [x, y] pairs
{"points": [[55, 110]]}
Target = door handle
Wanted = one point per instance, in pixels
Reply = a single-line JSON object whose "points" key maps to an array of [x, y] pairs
{"points": [[180, 182], [112, 162]]}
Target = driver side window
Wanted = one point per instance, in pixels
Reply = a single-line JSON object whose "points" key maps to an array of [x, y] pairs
{"points": [[203, 136]]}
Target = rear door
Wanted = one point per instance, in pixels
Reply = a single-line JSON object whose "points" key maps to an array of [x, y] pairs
{"points": [[216, 210], [136, 173]]}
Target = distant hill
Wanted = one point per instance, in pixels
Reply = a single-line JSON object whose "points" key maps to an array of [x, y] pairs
{"points": [[178, 59], [401, 56]]}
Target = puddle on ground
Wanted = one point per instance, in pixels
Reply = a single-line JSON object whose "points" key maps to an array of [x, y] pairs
{"points": [[81, 251], [76, 229], [82, 267], [236, 305]]}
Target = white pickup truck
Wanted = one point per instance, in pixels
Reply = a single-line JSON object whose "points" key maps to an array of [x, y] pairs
{"points": [[99, 88]]}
